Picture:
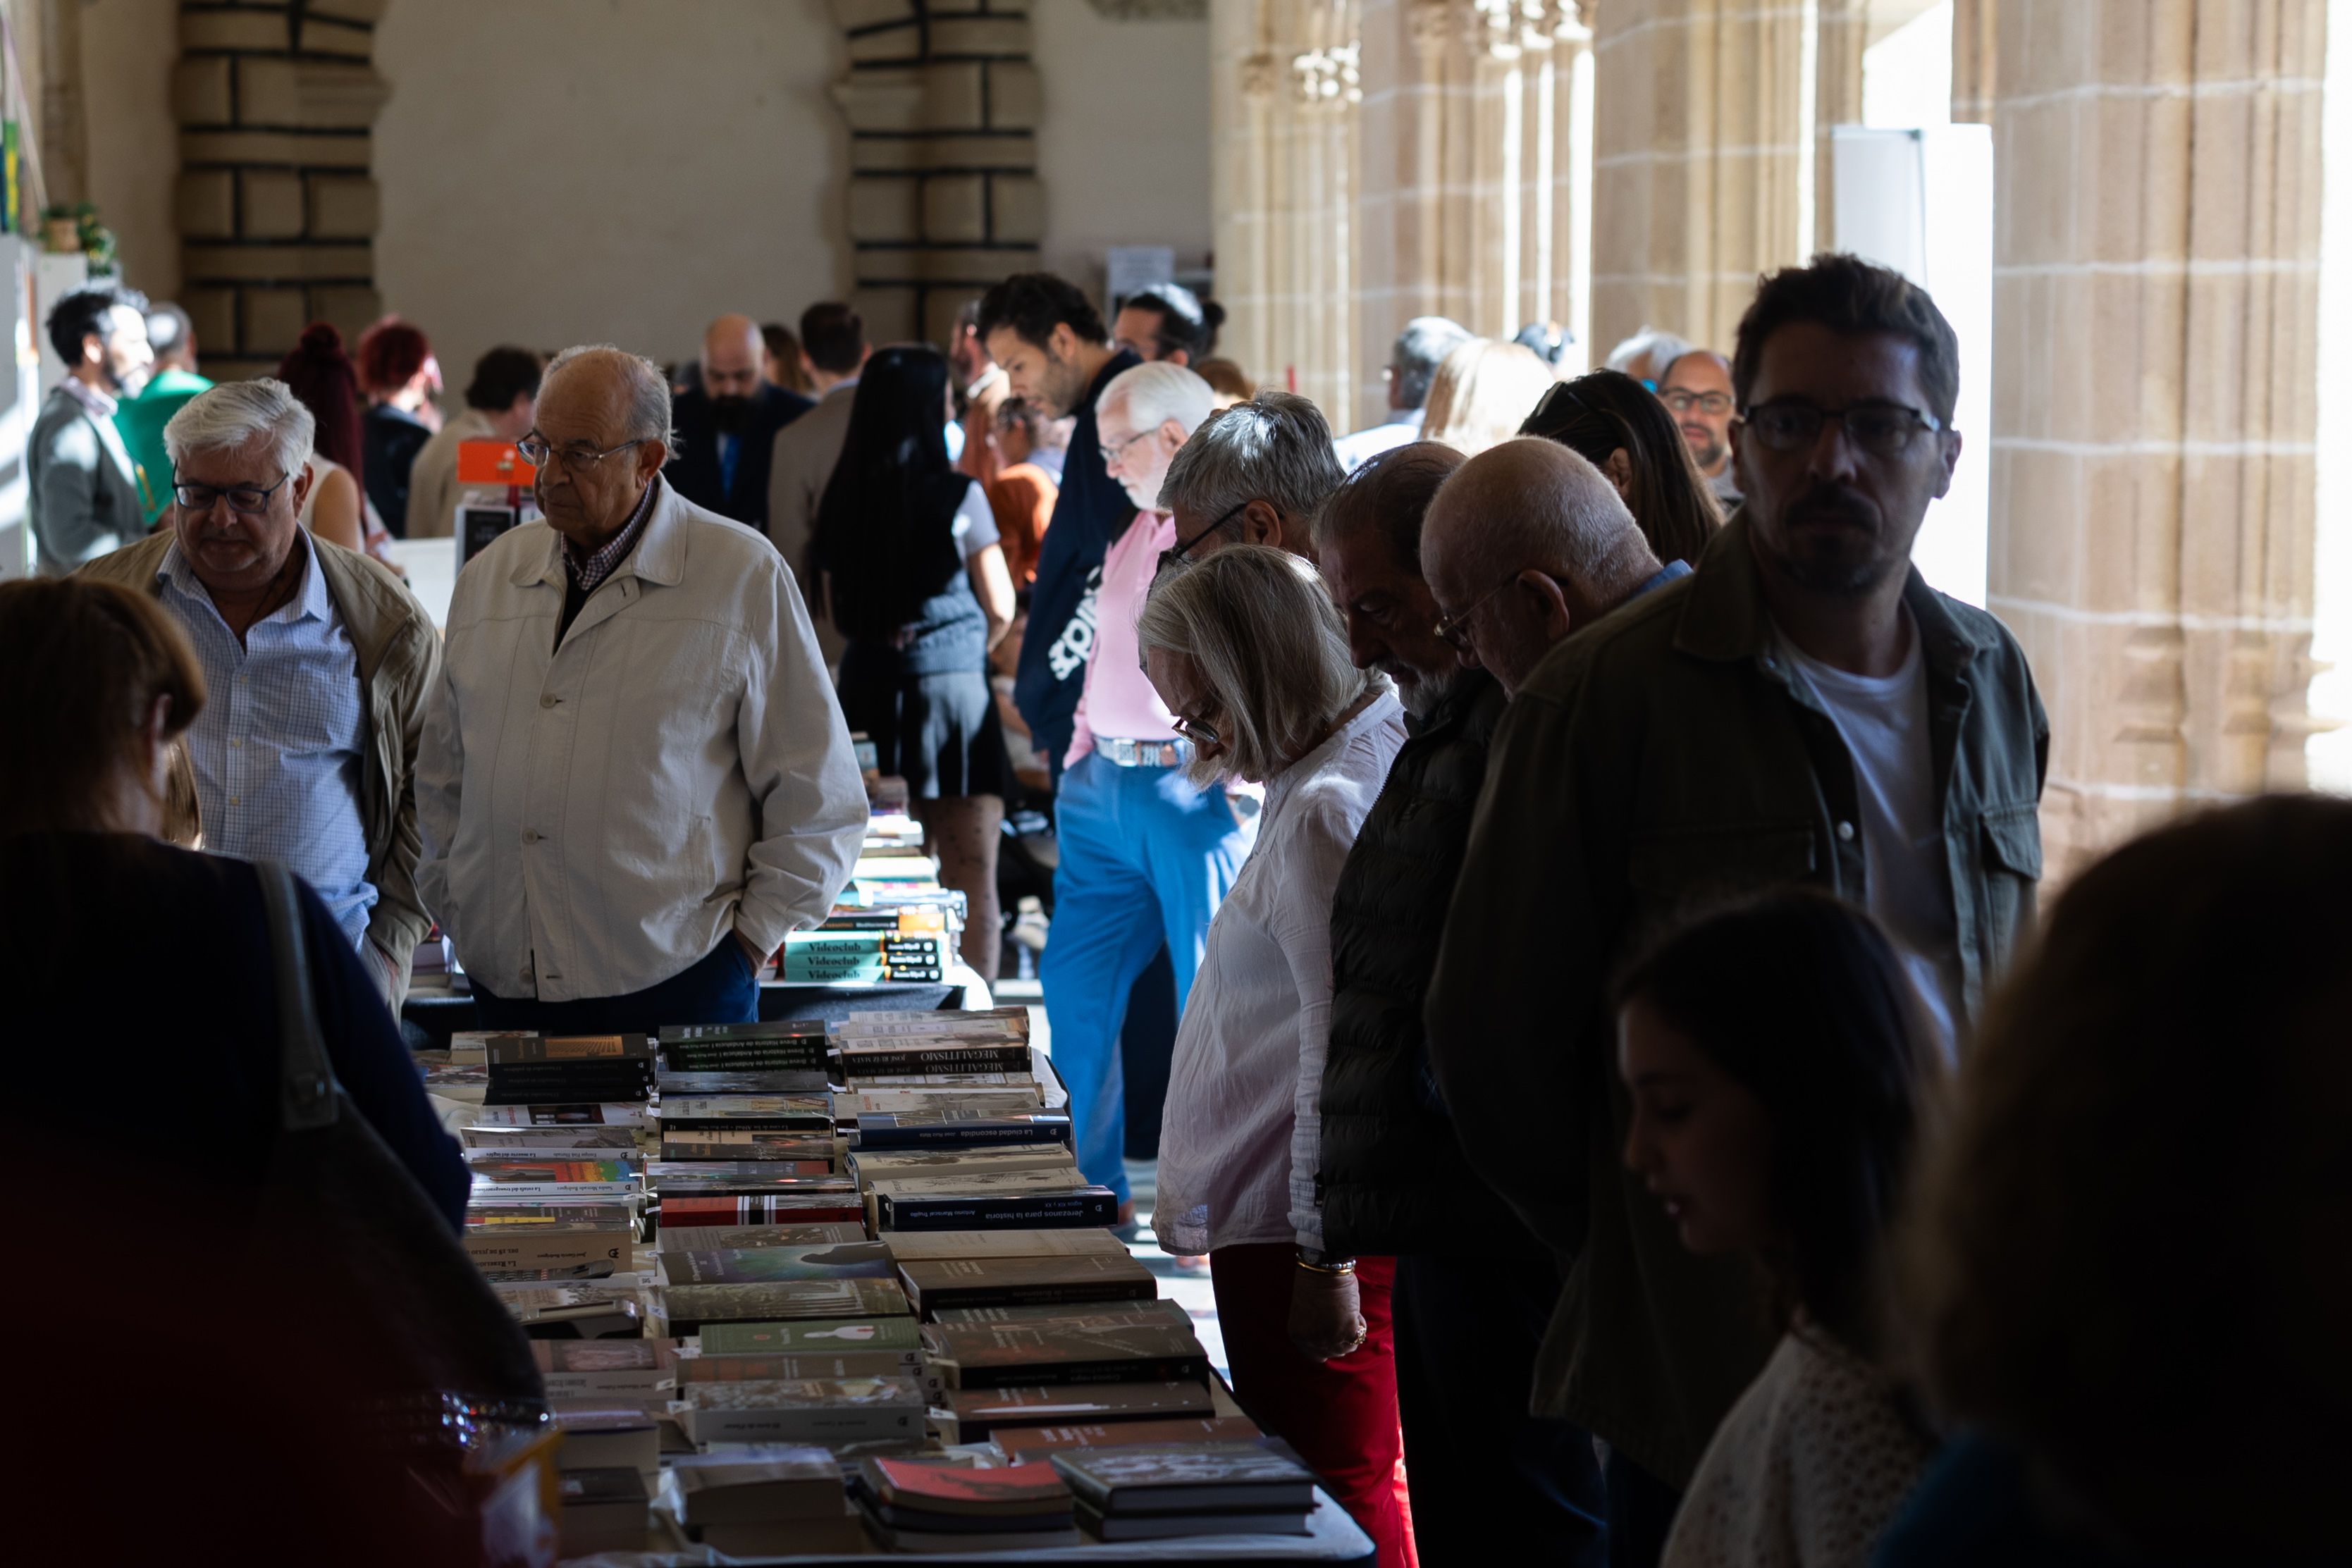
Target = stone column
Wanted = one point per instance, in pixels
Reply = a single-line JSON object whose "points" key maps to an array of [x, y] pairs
{"points": [[944, 199], [1700, 132], [1973, 60], [277, 208], [2155, 295], [1840, 33]]}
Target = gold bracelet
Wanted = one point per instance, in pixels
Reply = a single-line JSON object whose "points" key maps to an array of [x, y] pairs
{"points": [[1345, 1266]]}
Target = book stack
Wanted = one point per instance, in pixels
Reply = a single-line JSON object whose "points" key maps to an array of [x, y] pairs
{"points": [[608, 1371], [552, 1069], [1195, 1489], [759, 1500], [914, 1505]]}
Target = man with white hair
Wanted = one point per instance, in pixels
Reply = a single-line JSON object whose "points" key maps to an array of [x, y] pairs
{"points": [[317, 661], [1414, 360], [1255, 473], [1146, 855], [1645, 355], [635, 780]]}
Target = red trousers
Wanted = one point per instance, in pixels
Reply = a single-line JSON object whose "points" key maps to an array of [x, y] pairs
{"points": [[1341, 1416]]}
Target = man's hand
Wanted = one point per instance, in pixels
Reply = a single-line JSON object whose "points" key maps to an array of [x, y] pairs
{"points": [[751, 951], [1326, 1321]]}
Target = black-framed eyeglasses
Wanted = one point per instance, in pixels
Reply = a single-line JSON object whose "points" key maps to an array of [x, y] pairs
{"points": [[1183, 547], [536, 450], [1682, 401], [247, 500], [1880, 428], [1455, 630]]}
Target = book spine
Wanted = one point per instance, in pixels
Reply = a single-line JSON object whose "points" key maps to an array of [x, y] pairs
{"points": [[1059, 1211], [701, 1210], [805, 1126], [804, 1055], [885, 1139], [809, 1424], [1112, 1294], [1065, 1374], [993, 1057]]}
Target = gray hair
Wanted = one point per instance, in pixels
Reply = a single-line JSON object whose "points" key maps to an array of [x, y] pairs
{"points": [[1157, 393], [1663, 347], [1269, 645], [234, 412], [1420, 349], [1274, 448], [649, 417]]}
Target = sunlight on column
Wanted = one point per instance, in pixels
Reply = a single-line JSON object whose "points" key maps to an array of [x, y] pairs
{"points": [[2329, 752]]}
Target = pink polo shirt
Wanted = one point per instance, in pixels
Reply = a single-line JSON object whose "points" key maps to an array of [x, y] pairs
{"points": [[1117, 701]]}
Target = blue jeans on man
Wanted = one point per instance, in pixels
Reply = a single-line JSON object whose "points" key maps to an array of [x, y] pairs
{"points": [[721, 988], [1146, 858]]}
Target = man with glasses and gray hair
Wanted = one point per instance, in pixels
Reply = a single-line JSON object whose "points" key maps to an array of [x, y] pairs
{"points": [[1255, 473], [317, 660], [635, 780], [1414, 360]]}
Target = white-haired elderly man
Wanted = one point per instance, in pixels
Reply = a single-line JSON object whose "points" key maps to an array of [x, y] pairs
{"points": [[1146, 855], [635, 778], [317, 662]]}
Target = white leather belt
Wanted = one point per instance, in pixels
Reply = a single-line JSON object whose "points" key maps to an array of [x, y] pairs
{"points": [[1143, 753]]}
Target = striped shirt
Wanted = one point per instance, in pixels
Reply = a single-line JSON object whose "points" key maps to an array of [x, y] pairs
{"points": [[276, 748]]}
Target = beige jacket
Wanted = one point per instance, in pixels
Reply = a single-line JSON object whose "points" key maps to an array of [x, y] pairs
{"points": [[400, 662], [433, 488], [806, 450]]}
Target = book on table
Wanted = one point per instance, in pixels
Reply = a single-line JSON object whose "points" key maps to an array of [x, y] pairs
{"points": [[746, 1178], [581, 1371], [971, 1414], [808, 1114], [604, 1510], [927, 1506], [1028, 1445], [1002, 1355], [591, 1114], [793, 1082], [685, 1211], [1156, 1310], [812, 1336], [870, 1166], [1014, 1098], [935, 1246], [753, 1265], [1189, 1489], [804, 1155], [954, 1127], [755, 1484], [794, 1045], [812, 1366], [594, 1140], [932, 1284], [587, 1311], [684, 1309], [608, 1431], [1034, 1207], [734, 1237], [828, 1411]]}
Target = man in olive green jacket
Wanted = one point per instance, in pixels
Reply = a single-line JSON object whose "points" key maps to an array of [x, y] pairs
{"points": [[1803, 709]]}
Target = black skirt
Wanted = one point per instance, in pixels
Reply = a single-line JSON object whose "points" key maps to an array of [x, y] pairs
{"points": [[939, 732]]}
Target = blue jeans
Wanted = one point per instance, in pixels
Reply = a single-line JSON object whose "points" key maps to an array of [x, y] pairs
{"points": [[719, 988], [1490, 1482], [1146, 857]]}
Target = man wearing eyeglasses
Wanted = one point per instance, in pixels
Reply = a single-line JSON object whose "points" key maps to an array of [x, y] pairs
{"points": [[1696, 390], [317, 661], [1803, 709], [634, 779]]}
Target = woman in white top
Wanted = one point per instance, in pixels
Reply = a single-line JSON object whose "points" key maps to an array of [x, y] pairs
{"points": [[1780, 1070], [1250, 657]]}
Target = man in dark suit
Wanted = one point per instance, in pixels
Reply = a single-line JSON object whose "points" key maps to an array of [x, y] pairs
{"points": [[727, 426]]}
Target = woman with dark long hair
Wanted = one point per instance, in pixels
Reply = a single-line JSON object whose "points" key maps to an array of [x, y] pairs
{"points": [[1618, 426], [1778, 1076], [909, 570], [322, 375]]}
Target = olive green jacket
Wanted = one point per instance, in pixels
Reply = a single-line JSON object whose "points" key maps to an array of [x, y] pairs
{"points": [[1660, 761], [399, 657]]}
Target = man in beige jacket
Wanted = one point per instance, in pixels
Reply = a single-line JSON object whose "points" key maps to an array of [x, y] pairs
{"points": [[317, 662]]}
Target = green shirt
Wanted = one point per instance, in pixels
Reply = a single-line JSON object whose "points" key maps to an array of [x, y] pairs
{"points": [[141, 421]]}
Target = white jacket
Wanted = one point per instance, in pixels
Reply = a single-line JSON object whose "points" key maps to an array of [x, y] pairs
{"points": [[597, 818]]}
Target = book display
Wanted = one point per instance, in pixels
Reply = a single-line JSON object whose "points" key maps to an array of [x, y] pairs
{"points": [[801, 1290]]}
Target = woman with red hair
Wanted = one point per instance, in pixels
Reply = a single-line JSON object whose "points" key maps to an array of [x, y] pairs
{"points": [[401, 377], [319, 373]]}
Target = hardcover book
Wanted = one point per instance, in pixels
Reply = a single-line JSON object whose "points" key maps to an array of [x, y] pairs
{"points": [[934, 1284], [756, 1265], [815, 1336], [684, 1309], [1185, 1477], [999, 1356]]}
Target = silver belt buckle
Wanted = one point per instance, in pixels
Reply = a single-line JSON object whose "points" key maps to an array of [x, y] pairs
{"points": [[1122, 753]]}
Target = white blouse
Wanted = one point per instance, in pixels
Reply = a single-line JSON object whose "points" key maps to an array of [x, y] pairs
{"points": [[1242, 1133], [1808, 1469]]}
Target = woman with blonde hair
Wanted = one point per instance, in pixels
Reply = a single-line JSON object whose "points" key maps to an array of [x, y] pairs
{"points": [[1482, 392], [1249, 656]]}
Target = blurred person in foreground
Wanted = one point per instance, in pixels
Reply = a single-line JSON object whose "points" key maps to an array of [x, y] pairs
{"points": [[1413, 364], [1607, 418], [1780, 1083], [84, 497], [172, 380], [1246, 651], [908, 570], [319, 660], [501, 400], [2127, 1276], [1146, 854], [401, 377], [727, 425], [633, 639], [1802, 709], [1482, 393]]}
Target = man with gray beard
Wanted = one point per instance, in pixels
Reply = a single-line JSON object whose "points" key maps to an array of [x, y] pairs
{"points": [[1391, 1180]]}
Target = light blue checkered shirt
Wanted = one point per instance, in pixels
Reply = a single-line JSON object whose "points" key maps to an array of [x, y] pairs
{"points": [[276, 748]]}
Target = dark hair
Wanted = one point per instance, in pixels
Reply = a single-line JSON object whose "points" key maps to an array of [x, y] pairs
{"points": [[77, 316], [2132, 1237], [1609, 411], [1187, 321], [1390, 491], [1855, 299], [91, 658], [1019, 414], [833, 335], [320, 375], [1033, 303], [884, 528], [168, 328], [391, 353], [502, 375], [784, 349], [1801, 1000]]}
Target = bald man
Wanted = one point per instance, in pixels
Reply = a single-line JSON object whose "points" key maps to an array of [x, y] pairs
{"points": [[1525, 544], [1696, 390], [634, 780], [727, 426]]}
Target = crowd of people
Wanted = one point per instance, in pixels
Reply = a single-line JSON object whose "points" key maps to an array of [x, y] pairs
{"points": [[1619, 1090]]}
